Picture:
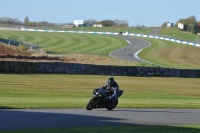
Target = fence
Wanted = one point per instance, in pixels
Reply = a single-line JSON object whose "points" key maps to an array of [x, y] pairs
{"points": [[31, 46]]}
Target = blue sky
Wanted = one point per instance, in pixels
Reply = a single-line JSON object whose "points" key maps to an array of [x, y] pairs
{"points": [[150, 13]]}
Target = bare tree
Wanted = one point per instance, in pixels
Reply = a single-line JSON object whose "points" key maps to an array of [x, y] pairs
{"points": [[6, 20], [26, 21], [120, 23], [90, 21]]}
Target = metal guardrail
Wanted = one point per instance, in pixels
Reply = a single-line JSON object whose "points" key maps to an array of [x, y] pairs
{"points": [[30, 46]]}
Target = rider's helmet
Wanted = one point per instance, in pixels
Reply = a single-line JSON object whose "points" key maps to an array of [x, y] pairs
{"points": [[111, 81]]}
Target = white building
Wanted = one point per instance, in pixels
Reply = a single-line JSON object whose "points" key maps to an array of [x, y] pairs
{"points": [[97, 25], [170, 24], [180, 26], [78, 23]]}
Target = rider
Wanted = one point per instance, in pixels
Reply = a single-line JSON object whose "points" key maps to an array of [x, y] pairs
{"points": [[113, 88]]}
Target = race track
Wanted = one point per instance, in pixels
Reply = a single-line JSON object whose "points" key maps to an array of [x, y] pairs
{"points": [[58, 118], [127, 53]]}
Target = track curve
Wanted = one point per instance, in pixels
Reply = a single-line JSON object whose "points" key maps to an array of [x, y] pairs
{"points": [[58, 118], [128, 52]]}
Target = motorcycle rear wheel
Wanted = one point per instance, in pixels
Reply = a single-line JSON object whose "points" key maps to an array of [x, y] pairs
{"points": [[112, 104], [89, 105]]}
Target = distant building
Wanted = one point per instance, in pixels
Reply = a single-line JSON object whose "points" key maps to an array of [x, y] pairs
{"points": [[170, 24], [78, 23], [68, 26], [180, 26], [88, 25], [97, 25]]}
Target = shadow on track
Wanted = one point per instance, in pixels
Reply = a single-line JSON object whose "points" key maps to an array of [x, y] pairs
{"points": [[146, 111], [12, 119]]}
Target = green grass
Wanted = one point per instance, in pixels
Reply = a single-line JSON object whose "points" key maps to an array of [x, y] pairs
{"points": [[114, 129], [171, 54], [175, 33], [101, 29], [168, 32], [74, 91], [64, 43]]}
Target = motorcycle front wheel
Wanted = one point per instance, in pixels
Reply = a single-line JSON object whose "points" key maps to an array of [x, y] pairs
{"points": [[89, 105]]}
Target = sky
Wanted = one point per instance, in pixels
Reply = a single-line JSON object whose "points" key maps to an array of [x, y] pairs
{"points": [[150, 13]]}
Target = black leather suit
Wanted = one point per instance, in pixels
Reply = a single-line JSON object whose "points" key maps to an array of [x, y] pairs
{"points": [[113, 89]]}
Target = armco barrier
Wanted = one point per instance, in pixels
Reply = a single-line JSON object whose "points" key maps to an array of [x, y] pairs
{"points": [[113, 33], [74, 68]]}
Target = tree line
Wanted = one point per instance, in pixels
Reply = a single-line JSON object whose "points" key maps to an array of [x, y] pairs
{"points": [[28, 23], [190, 24], [16, 21], [108, 22], [6, 20]]}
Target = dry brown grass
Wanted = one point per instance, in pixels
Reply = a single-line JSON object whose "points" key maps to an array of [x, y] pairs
{"points": [[98, 60]]}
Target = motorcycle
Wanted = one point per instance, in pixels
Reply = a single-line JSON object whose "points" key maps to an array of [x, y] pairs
{"points": [[99, 99]]}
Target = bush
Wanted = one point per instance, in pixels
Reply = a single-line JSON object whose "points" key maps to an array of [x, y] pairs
{"points": [[22, 49]]}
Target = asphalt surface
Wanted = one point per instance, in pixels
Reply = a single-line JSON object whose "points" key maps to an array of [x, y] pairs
{"points": [[128, 53], [59, 118]]}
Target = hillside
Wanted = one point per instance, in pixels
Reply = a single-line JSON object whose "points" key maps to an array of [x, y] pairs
{"points": [[12, 54]]}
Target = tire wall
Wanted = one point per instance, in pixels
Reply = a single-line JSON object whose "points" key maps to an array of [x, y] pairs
{"points": [[73, 68]]}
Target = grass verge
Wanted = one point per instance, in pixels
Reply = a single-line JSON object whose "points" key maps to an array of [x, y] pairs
{"points": [[115, 129], [171, 55], [74, 91]]}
